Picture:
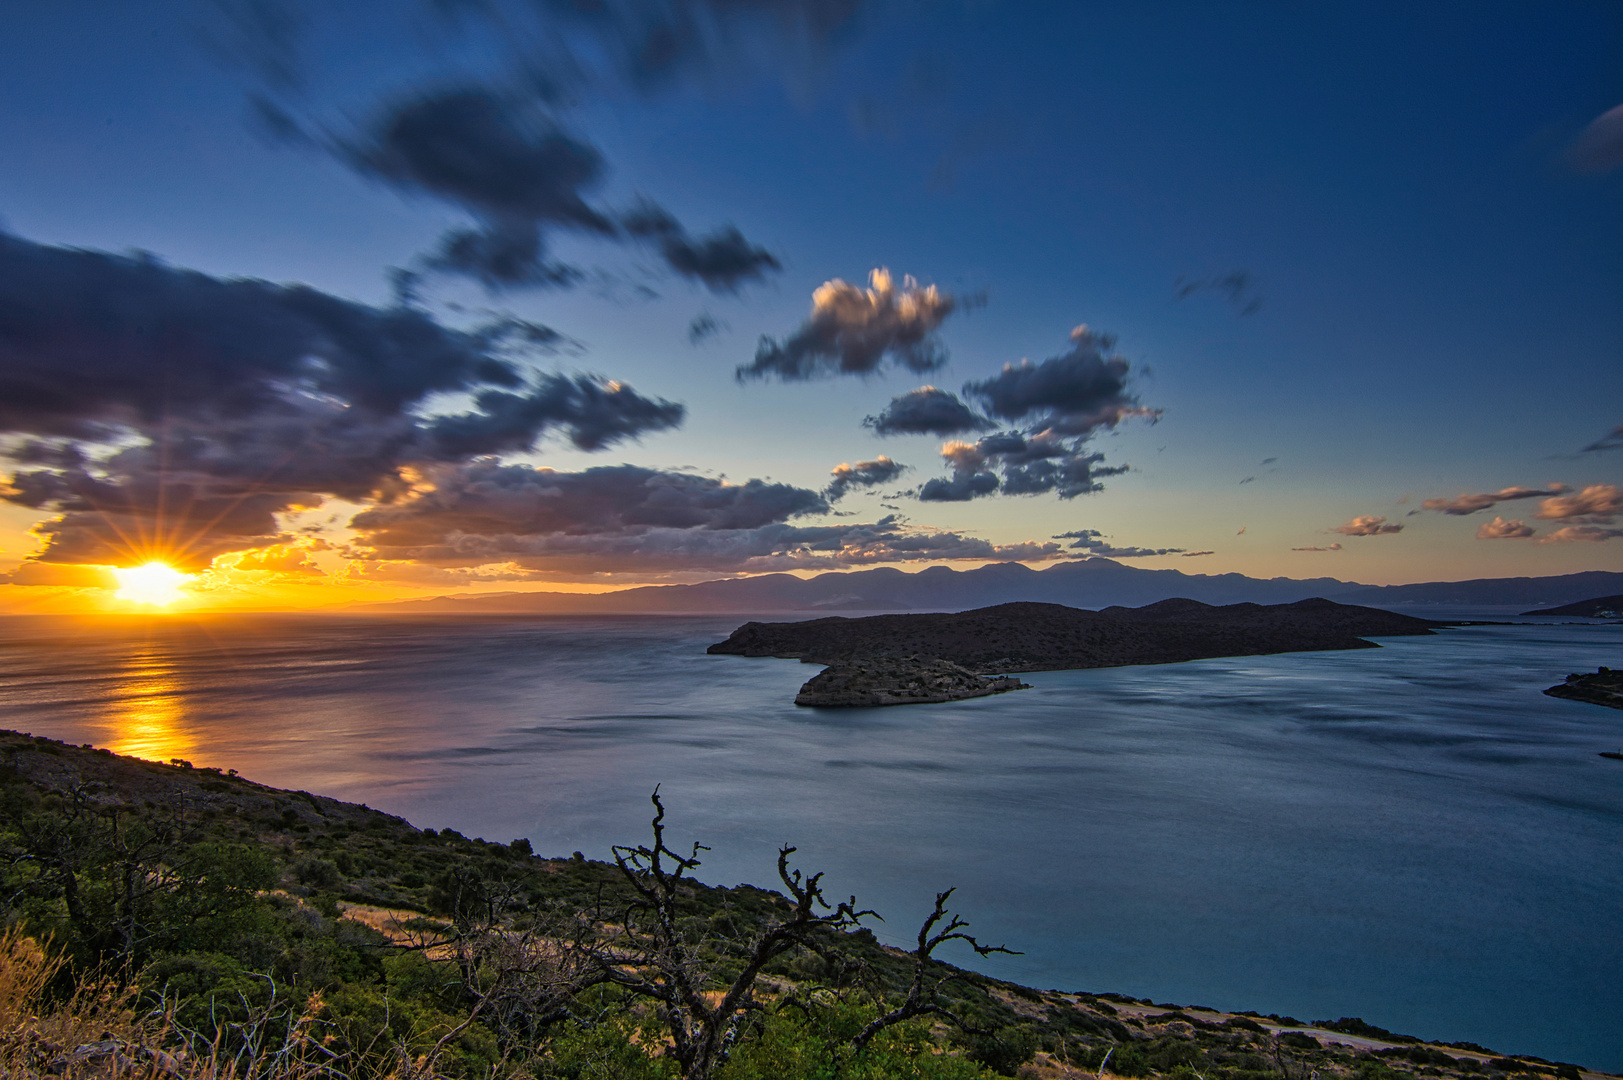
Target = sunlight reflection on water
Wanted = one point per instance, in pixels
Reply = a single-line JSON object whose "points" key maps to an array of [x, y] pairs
{"points": [[152, 718], [1414, 834]]}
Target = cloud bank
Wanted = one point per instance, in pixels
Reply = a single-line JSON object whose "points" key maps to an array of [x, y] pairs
{"points": [[623, 519], [154, 408]]}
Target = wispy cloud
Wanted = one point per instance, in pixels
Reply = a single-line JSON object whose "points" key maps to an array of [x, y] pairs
{"points": [[1237, 288], [1330, 547], [1093, 542], [1612, 440], [1599, 147], [1461, 505]]}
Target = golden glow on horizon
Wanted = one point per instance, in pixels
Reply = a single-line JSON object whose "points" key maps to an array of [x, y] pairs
{"points": [[154, 583]]}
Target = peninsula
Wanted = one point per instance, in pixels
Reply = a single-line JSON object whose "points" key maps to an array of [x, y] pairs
{"points": [[1020, 637], [1603, 687], [1601, 607]]}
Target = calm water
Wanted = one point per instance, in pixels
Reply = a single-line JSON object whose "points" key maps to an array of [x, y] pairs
{"points": [[1413, 834]]}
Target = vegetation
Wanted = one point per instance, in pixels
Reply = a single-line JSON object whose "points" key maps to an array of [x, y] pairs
{"points": [[169, 921]]}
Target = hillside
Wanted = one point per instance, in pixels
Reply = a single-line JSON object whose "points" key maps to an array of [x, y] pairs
{"points": [[1600, 607], [302, 937]]}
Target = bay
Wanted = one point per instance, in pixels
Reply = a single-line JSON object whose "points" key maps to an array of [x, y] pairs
{"points": [[1413, 834]]}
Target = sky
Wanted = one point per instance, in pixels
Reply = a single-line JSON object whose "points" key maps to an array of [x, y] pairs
{"points": [[318, 307]]}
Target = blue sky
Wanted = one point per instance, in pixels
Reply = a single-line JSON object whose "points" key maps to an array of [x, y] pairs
{"points": [[1400, 233]]}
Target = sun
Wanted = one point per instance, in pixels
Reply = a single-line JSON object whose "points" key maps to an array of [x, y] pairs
{"points": [[154, 583]]}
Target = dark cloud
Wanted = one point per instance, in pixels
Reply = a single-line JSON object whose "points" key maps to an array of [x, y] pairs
{"points": [[505, 160], [502, 158], [501, 255], [1461, 505], [722, 261], [486, 498], [960, 487], [1093, 542], [926, 411], [168, 409], [1612, 440], [1597, 504], [1060, 404], [1365, 525], [853, 331], [1237, 288], [593, 411], [629, 519], [863, 474], [1599, 147], [1500, 529], [1196, 554], [1017, 464], [1074, 393]]}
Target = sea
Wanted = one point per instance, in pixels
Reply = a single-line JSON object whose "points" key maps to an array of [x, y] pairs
{"points": [[1412, 834]]}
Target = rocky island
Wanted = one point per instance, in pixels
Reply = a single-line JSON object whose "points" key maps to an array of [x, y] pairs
{"points": [[906, 680], [1021, 637]]}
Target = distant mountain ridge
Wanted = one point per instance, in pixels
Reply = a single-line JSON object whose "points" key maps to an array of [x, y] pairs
{"points": [[1090, 583]]}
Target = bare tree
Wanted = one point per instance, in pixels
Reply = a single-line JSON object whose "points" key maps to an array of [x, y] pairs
{"points": [[658, 955]]}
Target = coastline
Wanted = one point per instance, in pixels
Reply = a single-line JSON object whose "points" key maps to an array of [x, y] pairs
{"points": [[294, 825]]}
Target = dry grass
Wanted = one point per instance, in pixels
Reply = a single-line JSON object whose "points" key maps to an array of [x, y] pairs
{"points": [[101, 1033]]}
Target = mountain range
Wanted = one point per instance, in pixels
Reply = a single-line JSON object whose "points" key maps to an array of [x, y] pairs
{"points": [[1088, 583]]}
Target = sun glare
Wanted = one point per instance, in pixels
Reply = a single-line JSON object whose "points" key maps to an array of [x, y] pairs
{"points": [[154, 583]]}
